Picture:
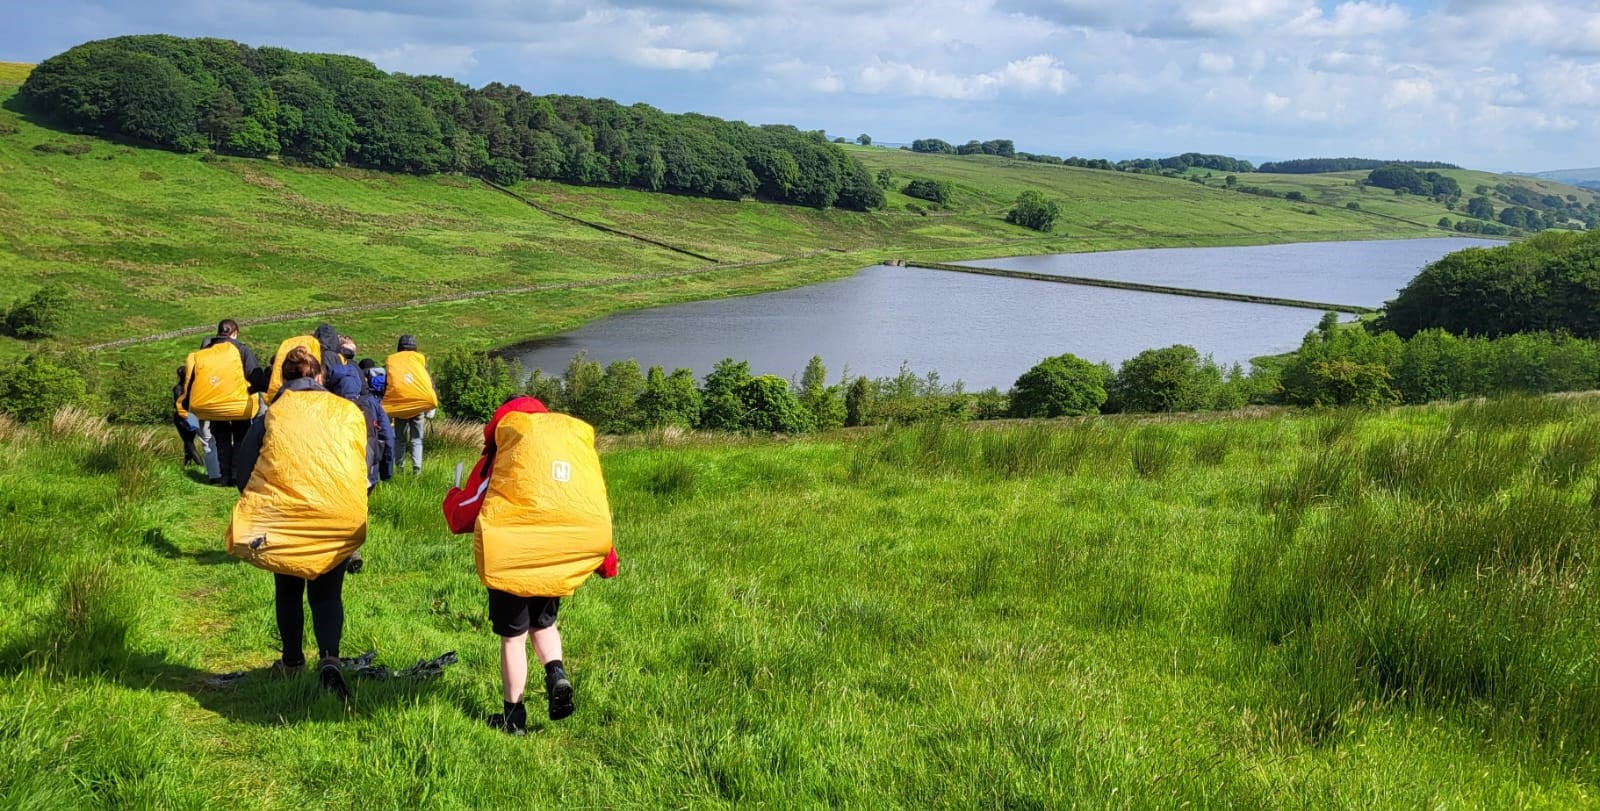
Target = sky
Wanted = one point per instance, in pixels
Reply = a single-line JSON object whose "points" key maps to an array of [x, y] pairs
{"points": [[1503, 85]]}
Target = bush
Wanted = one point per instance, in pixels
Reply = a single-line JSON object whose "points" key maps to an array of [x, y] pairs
{"points": [[824, 403], [37, 386], [721, 407], [504, 172], [1339, 366], [669, 399], [1033, 211], [614, 408], [770, 406], [1062, 386], [1172, 379], [934, 191], [472, 385], [139, 396], [40, 315]]}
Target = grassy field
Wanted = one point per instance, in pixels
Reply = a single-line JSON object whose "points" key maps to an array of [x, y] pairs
{"points": [[1266, 610], [153, 241], [1339, 189]]}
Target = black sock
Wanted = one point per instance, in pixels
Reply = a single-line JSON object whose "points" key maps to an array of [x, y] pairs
{"points": [[552, 666]]}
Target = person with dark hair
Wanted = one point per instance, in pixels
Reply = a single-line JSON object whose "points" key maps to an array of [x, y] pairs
{"points": [[219, 381], [302, 509], [371, 403], [188, 427], [410, 398], [338, 368]]}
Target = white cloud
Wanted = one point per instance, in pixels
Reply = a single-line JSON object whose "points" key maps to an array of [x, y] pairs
{"points": [[1272, 102], [444, 60], [650, 56], [1241, 17], [1034, 74], [1408, 93], [1214, 62], [1350, 20]]}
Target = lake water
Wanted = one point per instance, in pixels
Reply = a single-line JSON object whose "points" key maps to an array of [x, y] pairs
{"points": [[986, 331], [1363, 273]]}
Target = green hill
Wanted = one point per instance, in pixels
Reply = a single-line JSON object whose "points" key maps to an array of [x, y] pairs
{"points": [[153, 241]]}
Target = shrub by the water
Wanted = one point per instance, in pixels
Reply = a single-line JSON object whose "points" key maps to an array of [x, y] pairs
{"points": [[1062, 386], [472, 385]]}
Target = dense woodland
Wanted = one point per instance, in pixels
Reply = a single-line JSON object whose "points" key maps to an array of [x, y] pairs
{"points": [[324, 109], [1317, 166]]}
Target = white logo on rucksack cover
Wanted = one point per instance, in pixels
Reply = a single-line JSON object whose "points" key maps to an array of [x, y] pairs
{"points": [[561, 471]]}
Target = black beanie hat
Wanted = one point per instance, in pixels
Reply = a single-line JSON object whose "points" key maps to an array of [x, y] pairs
{"points": [[408, 343]]}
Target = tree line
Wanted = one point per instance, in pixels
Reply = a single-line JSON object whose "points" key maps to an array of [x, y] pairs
{"points": [[327, 109], [1550, 282], [1315, 166], [1003, 147]]}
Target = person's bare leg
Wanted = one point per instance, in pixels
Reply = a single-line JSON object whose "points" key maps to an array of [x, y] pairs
{"points": [[546, 645], [514, 666]]}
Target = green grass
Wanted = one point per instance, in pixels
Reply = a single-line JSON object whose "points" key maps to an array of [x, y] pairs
{"points": [[1336, 190], [1261, 610], [12, 74]]}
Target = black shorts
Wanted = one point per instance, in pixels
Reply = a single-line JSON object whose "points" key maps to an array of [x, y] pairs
{"points": [[511, 615]]}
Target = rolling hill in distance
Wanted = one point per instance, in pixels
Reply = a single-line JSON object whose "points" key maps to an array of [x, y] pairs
{"points": [[153, 241]]}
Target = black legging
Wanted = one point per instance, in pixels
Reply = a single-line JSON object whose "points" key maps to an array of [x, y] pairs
{"points": [[327, 613], [228, 436]]}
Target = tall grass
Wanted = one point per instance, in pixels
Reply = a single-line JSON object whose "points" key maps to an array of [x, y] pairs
{"points": [[1461, 579], [1004, 615]]}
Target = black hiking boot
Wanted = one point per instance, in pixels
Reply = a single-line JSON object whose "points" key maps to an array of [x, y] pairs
{"points": [[330, 672], [514, 721], [558, 688]]}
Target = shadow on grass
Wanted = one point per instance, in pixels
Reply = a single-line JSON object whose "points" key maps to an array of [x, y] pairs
{"points": [[157, 541], [255, 697]]}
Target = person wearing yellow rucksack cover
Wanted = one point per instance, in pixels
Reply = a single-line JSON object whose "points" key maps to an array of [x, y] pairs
{"points": [[219, 384], [302, 509], [410, 398]]}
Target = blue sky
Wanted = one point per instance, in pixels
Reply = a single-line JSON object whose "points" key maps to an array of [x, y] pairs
{"points": [[1493, 84]]}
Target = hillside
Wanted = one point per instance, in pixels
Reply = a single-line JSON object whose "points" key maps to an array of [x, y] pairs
{"points": [[1587, 178], [152, 241], [1108, 613], [1340, 189]]}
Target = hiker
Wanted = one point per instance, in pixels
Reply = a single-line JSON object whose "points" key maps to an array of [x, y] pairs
{"points": [[219, 380], [302, 509], [536, 505], [377, 383], [188, 427], [410, 398]]}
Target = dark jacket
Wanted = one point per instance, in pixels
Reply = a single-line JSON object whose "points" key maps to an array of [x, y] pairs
{"points": [[256, 376], [380, 435], [249, 452], [340, 375]]}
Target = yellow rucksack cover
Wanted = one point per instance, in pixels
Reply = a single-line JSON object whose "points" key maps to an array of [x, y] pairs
{"points": [[311, 344], [214, 384], [410, 388], [545, 524], [305, 508]]}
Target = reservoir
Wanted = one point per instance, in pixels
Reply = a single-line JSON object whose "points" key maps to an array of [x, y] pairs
{"points": [[1365, 273], [986, 331]]}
